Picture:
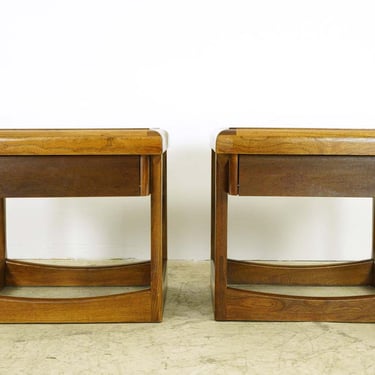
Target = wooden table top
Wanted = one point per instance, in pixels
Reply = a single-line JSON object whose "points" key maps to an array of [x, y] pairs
{"points": [[292, 141], [82, 141]]}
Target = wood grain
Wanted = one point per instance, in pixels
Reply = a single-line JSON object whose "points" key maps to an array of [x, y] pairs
{"points": [[69, 176], [19, 273], [145, 175], [342, 274], [156, 238], [249, 305], [233, 183], [82, 142], [314, 176], [2, 242], [373, 241], [213, 203], [126, 307], [221, 233], [289, 141], [165, 209]]}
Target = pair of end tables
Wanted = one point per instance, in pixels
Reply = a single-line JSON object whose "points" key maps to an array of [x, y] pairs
{"points": [[133, 162]]}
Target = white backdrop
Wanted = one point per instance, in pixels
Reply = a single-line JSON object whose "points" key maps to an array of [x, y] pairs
{"points": [[188, 67]]}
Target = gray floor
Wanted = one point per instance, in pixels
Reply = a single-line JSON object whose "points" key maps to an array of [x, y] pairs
{"points": [[189, 341]]}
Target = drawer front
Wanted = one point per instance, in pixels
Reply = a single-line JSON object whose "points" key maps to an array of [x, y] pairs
{"points": [[69, 176], [315, 176]]}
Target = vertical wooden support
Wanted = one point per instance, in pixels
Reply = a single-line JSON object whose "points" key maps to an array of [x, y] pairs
{"points": [[164, 230], [373, 241], [165, 214], [213, 199], [2, 242], [233, 175], [144, 182], [220, 240], [156, 238], [213, 226]]}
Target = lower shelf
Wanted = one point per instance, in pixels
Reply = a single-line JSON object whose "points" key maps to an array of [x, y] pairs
{"points": [[258, 306], [126, 307]]}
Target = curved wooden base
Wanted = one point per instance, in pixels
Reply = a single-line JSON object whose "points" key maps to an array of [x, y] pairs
{"points": [[125, 307], [249, 305], [240, 304], [19, 273], [340, 274]]}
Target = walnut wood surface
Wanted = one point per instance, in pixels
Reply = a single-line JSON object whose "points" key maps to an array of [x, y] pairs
{"points": [[248, 305], [145, 175], [373, 241], [19, 273], [213, 204], [220, 234], [2, 243], [233, 183], [157, 263], [314, 176], [69, 176], [82, 142], [349, 274], [126, 307], [295, 141], [165, 222]]}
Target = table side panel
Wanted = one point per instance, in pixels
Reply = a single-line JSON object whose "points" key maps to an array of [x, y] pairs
{"points": [[69, 176], [317, 176]]}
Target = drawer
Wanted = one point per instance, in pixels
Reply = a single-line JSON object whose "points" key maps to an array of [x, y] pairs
{"points": [[73, 176], [317, 176]]}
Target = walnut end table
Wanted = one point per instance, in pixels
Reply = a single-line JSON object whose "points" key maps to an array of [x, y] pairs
{"points": [[85, 163], [289, 162]]}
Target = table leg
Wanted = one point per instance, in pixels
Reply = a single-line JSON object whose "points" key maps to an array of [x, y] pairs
{"points": [[220, 234], [156, 238], [165, 214], [373, 241], [2, 242], [213, 199]]}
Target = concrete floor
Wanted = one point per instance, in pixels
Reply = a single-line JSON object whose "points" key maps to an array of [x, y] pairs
{"points": [[188, 341]]}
